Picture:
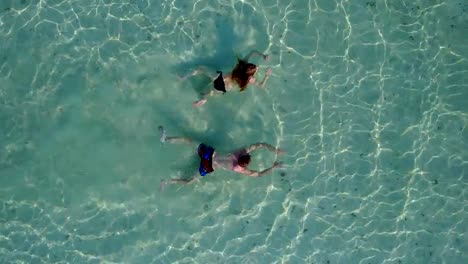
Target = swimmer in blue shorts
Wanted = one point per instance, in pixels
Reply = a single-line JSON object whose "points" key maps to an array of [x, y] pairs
{"points": [[210, 160]]}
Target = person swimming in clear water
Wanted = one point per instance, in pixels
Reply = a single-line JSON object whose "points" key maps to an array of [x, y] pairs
{"points": [[210, 160], [243, 74]]}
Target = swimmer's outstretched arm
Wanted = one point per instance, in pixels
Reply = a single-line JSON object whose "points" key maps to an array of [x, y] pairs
{"points": [[253, 173], [263, 145], [164, 138], [257, 53], [265, 78]]}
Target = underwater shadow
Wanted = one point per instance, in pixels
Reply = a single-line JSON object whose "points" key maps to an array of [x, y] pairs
{"points": [[224, 55]]}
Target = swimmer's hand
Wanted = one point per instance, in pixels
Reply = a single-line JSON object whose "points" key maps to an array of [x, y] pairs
{"points": [[265, 78]]}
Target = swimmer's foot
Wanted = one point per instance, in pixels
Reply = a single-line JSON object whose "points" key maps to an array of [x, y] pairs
{"points": [[200, 102], [278, 164], [280, 151], [162, 184], [162, 132]]}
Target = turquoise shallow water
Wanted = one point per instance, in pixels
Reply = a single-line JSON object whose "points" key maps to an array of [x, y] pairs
{"points": [[368, 98]]}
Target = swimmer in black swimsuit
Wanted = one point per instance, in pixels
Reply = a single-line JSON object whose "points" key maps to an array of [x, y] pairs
{"points": [[243, 74], [210, 160]]}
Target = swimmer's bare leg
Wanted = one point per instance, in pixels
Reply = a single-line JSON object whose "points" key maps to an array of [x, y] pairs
{"points": [[178, 181], [184, 181], [164, 138], [256, 53], [198, 71], [265, 78], [204, 99]]}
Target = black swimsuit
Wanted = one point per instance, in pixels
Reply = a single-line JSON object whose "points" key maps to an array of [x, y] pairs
{"points": [[219, 83]]}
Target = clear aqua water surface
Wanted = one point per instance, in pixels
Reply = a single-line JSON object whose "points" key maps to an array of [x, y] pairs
{"points": [[368, 98]]}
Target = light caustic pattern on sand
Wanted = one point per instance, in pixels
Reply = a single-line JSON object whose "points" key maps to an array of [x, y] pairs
{"points": [[368, 97]]}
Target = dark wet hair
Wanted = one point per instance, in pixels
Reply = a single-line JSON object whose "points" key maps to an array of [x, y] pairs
{"points": [[244, 160], [242, 73]]}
